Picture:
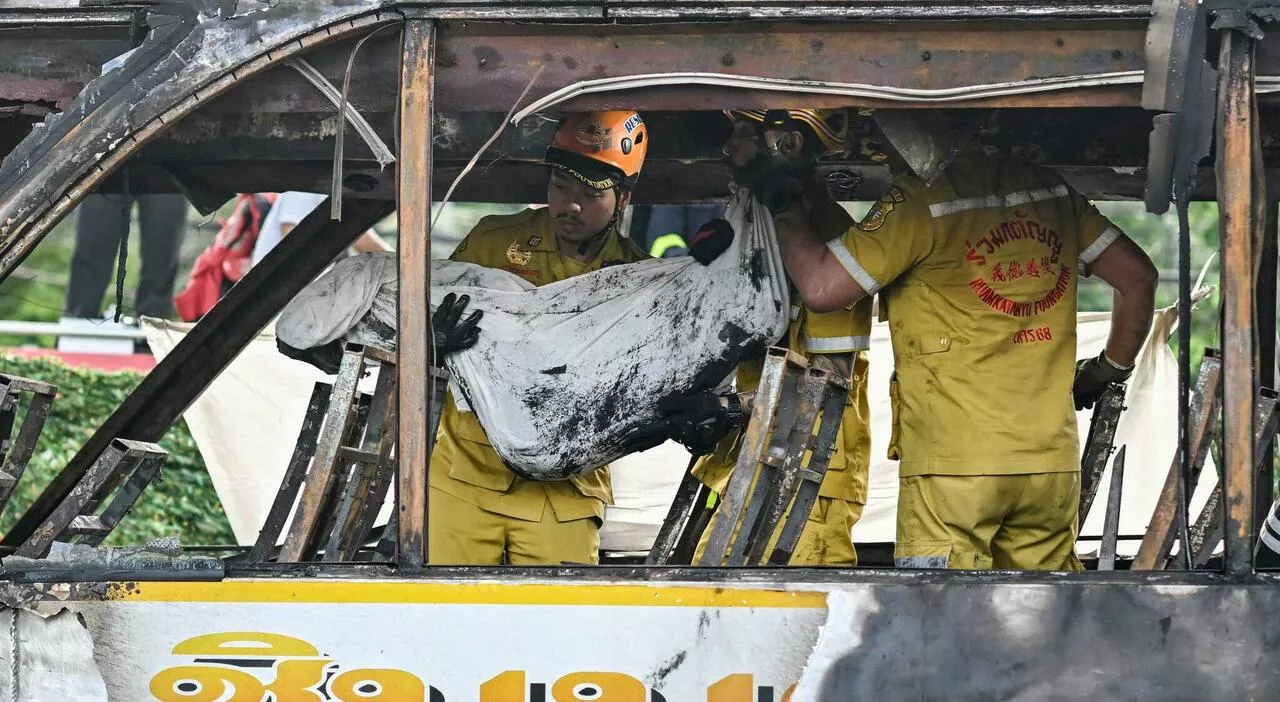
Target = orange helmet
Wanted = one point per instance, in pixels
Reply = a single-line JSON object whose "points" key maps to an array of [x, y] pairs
{"points": [[829, 125], [602, 149]]}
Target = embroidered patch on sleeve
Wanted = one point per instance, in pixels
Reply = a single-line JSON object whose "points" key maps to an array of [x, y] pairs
{"points": [[879, 212]]}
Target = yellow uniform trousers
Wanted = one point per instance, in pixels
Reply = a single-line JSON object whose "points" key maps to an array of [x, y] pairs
{"points": [[481, 513], [825, 541], [1008, 522], [459, 532]]}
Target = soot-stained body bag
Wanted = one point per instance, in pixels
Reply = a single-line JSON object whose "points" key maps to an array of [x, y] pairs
{"points": [[563, 373]]}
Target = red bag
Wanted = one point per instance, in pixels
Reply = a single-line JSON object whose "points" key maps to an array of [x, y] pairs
{"points": [[226, 260]]}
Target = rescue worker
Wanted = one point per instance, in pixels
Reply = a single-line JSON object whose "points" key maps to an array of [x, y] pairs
{"points": [[976, 260], [481, 513], [835, 341]]}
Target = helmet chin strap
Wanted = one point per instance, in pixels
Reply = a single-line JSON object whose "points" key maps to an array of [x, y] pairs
{"points": [[586, 245]]}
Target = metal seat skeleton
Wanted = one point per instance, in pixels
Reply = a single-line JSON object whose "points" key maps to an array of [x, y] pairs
{"points": [[342, 467], [16, 452], [122, 472], [786, 447]]}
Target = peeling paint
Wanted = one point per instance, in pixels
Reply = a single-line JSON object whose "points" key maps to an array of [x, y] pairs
{"points": [[49, 658], [842, 629]]}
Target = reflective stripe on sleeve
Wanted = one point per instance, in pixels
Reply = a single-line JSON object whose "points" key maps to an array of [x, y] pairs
{"points": [[1091, 254], [837, 344], [856, 271]]}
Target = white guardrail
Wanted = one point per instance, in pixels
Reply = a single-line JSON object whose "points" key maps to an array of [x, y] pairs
{"points": [[104, 329]]}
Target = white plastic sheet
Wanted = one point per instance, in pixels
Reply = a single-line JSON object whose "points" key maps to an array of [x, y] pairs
{"points": [[562, 373], [246, 423], [355, 300]]}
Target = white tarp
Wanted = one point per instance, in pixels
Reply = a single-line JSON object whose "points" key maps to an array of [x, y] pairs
{"points": [[563, 373], [247, 422]]}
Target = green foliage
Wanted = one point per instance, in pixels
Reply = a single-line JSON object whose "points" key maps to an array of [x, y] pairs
{"points": [[182, 502], [35, 291]]}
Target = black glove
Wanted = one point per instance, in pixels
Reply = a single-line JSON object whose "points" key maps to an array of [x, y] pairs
{"points": [[328, 358], [448, 334], [698, 421], [711, 240], [1093, 375], [779, 188]]}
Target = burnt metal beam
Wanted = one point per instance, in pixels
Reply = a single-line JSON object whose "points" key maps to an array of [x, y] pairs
{"points": [[1242, 201], [291, 481], [789, 576], [181, 65], [203, 353], [503, 57], [413, 303], [1099, 445], [1064, 136], [73, 516], [920, 55], [326, 466], [663, 182], [1111, 521], [51, 71], [1170, 511], [16, 451], [880, 11], [1208, 530]]}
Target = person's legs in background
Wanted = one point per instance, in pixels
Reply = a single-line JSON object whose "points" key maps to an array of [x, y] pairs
{"points": [[162, 220], [100, 222]]}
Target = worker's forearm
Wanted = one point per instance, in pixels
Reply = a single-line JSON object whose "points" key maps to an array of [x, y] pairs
{"points": [[817, 275], [1130, 322]]}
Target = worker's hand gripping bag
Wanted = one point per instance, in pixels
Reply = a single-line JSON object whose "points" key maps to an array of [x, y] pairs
{"points": [[563, 373]]}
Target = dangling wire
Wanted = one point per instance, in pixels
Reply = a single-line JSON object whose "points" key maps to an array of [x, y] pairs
{"points": [[483, 147], [125, 209], [335, 184]]}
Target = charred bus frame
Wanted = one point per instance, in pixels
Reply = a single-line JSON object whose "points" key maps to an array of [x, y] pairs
{"points": [[200, 105]]}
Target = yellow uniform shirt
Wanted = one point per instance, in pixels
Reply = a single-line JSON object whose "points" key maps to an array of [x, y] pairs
{"points": [[811, 334], [463, 464], [977, 275]]}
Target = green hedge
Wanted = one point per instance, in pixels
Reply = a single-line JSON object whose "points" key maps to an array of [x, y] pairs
{"points": [[182, 502]]}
